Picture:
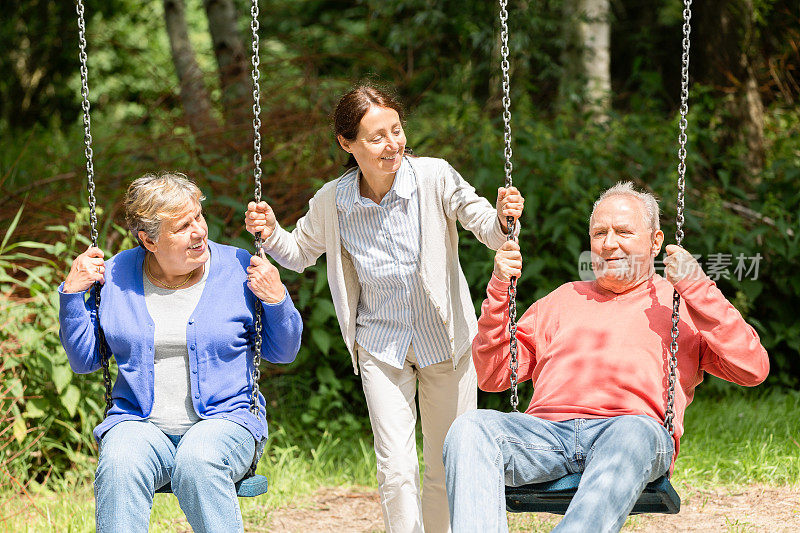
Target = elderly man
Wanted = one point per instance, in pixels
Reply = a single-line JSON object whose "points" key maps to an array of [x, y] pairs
{"points": [[596, 352]]}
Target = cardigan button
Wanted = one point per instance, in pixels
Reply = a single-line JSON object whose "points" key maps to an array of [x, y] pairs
{"points": [[191, 347]]}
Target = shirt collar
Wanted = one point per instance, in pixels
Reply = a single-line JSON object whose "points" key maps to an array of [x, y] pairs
{"points": [[347, 191], [404, 186], [404, 183]]}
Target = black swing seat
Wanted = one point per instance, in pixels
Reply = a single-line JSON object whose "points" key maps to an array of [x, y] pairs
{"points": [[555, 496], [247, 487]]}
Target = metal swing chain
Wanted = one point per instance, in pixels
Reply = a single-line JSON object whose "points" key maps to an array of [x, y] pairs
{"points": [[90, 186], [669, 415], [256, 75], [512, 288]]}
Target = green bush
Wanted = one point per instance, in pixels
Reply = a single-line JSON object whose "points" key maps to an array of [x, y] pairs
{"points": [[561, 164], [52, 411]]}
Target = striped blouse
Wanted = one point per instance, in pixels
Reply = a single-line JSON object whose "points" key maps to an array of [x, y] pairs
{"points": [[383, 239]]}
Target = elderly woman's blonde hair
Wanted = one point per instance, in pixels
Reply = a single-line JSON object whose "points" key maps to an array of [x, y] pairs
{"points": [[154, 198]]}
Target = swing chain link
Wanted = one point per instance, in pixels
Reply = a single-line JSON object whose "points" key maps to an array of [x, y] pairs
{"points": [[90, 186], [87, 125], [256, 75], [682, 138], [512, 329], [512, 288], [683, 123], [505, 66], [258, 326]]}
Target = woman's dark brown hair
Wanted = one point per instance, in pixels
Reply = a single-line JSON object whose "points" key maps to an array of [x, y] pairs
{"points": [[353, 106]]}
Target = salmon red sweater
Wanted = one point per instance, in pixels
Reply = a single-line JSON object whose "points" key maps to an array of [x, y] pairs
{"points": [[592, 353]]}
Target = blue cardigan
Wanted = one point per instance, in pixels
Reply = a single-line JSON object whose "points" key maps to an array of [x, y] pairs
{"points": [[218, 336]]}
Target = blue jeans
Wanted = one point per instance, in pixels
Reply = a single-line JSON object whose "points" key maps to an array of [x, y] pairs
{"points": [[486, 450], [136, 458]]}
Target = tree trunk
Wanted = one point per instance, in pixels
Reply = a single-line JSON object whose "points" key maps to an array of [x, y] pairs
{"points": [[595, 34], [233, 61], [494, 92], [753, 107], [753, 123], [727, 62], [194, 96], [587, 58]]}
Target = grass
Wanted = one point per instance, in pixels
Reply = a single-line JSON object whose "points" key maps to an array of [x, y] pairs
{"points": [[295, 467], [744, 437]]}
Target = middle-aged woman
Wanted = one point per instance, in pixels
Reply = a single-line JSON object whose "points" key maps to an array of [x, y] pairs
{"points": [[388, 227], [177, 313]]}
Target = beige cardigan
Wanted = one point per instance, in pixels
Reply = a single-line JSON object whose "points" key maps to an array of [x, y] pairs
{"points": [[444, 197]]}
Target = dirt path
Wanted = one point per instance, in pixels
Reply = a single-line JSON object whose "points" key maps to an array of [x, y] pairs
{"points": [[331, 509], [754, 508], [743, 509]]}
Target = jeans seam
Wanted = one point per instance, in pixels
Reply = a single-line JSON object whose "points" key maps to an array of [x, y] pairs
{"points": [[226, 458], [501, 494], [236, 506], [529, 446], [670, 447]]}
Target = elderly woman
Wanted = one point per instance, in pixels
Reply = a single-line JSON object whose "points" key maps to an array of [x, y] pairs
{"points": [[177, 313], [388, 226]]}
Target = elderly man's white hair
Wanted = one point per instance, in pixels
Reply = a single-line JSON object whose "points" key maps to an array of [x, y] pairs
{"points": [[649, 202]]}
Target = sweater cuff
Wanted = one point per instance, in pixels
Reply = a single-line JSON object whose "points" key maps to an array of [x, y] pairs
{"points": [[279, 310], [497, 286], [691, 284], [501, 228], [71, 304], [270, 241]]}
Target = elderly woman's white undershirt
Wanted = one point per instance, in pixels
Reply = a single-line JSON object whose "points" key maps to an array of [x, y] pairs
{"points": [[173, 411]]}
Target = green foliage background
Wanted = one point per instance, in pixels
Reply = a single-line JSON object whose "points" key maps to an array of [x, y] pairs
{"points": [[442, 59]]}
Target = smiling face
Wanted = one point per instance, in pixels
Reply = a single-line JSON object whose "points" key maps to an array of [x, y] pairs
{"points": [[379, 144], [623, 243], [182, 244]]}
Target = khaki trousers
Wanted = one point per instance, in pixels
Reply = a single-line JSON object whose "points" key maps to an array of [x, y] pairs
{"points": [[444, 394]]}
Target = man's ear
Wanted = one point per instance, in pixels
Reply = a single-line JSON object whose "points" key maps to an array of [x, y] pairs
{"points": [[658, 240]]}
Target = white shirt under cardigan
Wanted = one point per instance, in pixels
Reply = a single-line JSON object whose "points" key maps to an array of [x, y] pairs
{"points": [[444, 197], [171, 309], [383, 241]]}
